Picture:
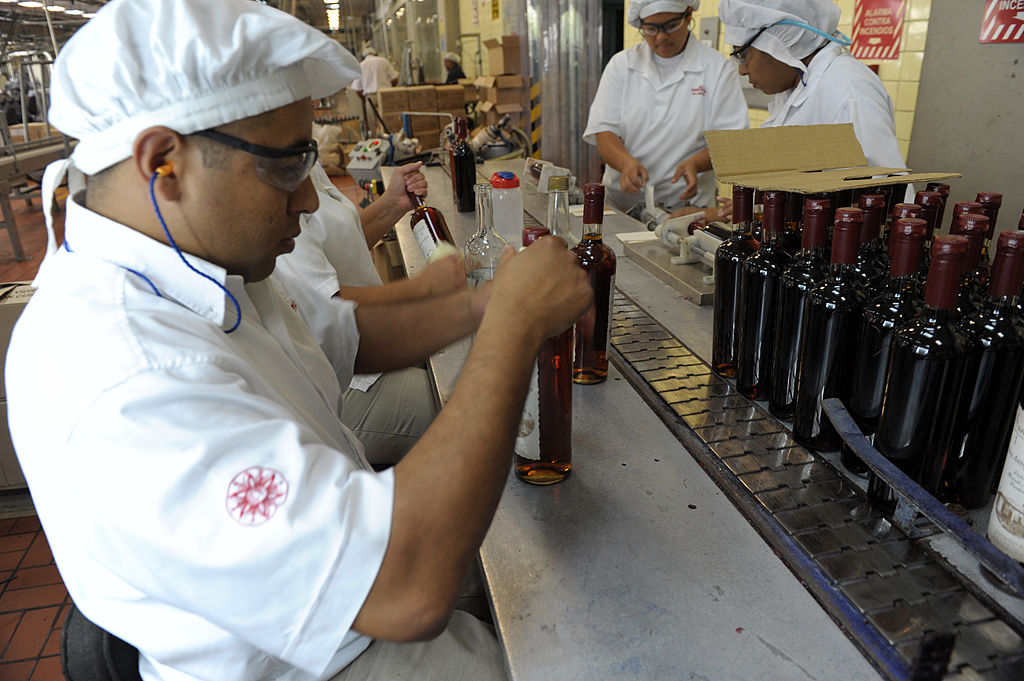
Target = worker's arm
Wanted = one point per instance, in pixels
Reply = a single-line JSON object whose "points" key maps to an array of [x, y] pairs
{"points": [[688, 169], [380, 216], [613, 152], [441, 276], [447, 487]]}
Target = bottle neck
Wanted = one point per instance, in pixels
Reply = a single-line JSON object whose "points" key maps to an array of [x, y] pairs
{"points": [[744, 228], [484, 214], [558, 213], [592, 231], [417, 200], [943, 284]]}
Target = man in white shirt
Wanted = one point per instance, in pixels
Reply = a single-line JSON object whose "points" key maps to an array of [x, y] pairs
{"points": [[176, 419], [377, 72]]}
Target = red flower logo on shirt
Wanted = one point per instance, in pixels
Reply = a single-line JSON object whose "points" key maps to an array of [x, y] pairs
{"points": [[255, 494], [697, 90]]}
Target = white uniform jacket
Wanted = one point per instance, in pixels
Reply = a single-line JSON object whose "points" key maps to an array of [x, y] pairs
{"points": [[838, 88], [377, 73], [662, 122], [201, 498]]}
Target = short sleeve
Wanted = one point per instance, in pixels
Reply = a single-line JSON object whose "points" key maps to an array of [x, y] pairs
{"points": [[606, 109]]}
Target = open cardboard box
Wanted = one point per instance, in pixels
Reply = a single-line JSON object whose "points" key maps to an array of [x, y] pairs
{"points": [[801, 158]]}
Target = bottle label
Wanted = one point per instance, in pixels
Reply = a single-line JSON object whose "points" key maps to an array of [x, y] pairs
{"points": [[1006, 526], [528, 438], [424, 239], [608, 317]]}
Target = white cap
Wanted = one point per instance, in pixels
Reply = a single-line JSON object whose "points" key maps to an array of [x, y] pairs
{"points": [[189, 65], [451, 56], [367, 51], [641, 9], [789, 44]]}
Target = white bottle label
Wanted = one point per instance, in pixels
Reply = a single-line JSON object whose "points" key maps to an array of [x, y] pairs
{"points": [[528, 438], [424, 239], [1006, 526]]}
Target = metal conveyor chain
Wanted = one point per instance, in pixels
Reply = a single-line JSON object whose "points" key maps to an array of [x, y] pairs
{"points": [[891, 595]]}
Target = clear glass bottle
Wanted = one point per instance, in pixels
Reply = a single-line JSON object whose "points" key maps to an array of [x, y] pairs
{"points": [[429, 229], [463, 167], [925, 382], [995, 375], [558, 209], [826, 351], [759, 283], [809, 269], [882, 315], [483, 250], [590, 362], [729, 258]]}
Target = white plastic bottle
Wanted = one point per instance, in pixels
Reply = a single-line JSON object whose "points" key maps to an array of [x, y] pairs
{"points": [[507, 199]]}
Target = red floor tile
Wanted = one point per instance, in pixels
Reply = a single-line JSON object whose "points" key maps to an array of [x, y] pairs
{"points": [[34, 597], [30, 524], [32, 634], [8, 623], [52, 646], [9, 561], [35, 576], [38, 553], [47, 669], [16, 671], [6, 524], [16, 542]]}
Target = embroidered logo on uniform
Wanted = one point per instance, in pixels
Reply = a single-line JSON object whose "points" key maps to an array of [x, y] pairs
{"points": [[294, 306], [697, 90], [255, 494]]}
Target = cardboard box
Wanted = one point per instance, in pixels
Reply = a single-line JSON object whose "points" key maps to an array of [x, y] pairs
{"points": [[450, 97], [13, 297], [393, 100], [492, 113], [503, 55], [469, 92], [36, 131], [393, 123], [429, 138], [801, 158], [422, 98], [11, 476]]}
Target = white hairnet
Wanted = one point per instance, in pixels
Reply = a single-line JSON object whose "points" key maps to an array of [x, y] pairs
{"points": [[187, 64], [367, 51], [789, 44], [641, 9], [451, 56]]}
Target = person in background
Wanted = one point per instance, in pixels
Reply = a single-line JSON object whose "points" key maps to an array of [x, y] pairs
{"points": [[376, 72], [202, 499], [791, 49], [332, 263], [652, 106], [453, 66]]}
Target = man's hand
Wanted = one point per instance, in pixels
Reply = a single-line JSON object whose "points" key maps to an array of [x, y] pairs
{"points": [[634, 176], [442, 276], [542, 286], [688, 171], [406, 180]]}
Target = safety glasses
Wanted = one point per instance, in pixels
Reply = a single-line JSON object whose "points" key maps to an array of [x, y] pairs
{"points": [[742, 53], [670, 26], [284, 168]]}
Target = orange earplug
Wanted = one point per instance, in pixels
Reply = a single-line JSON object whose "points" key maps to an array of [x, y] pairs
{"points": [[165, 170]]}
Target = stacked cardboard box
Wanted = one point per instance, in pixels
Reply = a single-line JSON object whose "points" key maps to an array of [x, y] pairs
{"points": [[505, 91], [392, 102], [13, 297]]}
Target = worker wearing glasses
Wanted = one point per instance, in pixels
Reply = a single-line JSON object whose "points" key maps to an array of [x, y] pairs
{"points": [[791, 49], [653, 104]]}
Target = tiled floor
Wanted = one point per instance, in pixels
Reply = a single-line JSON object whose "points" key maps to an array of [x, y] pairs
{"points": [[33, 600]]}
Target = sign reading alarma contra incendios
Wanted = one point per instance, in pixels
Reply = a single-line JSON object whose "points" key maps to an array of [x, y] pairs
{"points": [[1003, 22], [877, 28]]}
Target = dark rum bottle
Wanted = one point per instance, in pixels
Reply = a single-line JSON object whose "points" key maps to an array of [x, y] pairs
{"points": [[990, 203], [974, 282], [960, 208], [831, 315], [926, 375], [590, 362], [759, 281], [429, 229], [463, 167], [872, 254], [809, 269], [728, 260], [791, 241], [943, 190], [994, 377], [882, 315]]}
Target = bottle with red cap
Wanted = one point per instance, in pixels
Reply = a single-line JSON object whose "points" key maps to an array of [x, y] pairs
{"points": [[995, 375], [961, 207], [729, 258], [926, 376], [832, 312], [990, 203], [931, 208], [507, 199], [975, 276], [791, 242], [943, 190], [809, 269], [759, 281], [463, 168], [590, 361], [872, 254]]}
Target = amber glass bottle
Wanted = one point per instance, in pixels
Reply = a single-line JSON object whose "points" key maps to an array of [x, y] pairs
{"points": [[428, 227], [590, 363], [994, 377], [809, 269], [832, 312], [926, 376], [759, 282], [729, 258], [463, 167], [897, 302]]}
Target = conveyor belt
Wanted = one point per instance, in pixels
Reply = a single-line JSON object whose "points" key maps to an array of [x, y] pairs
{"points": [[890, 594]]}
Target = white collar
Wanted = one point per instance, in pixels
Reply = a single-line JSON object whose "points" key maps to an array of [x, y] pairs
{"points": [[642, 60], [811, 78]]}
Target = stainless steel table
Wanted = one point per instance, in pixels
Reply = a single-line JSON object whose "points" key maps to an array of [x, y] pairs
{"points": [[637, 566]]}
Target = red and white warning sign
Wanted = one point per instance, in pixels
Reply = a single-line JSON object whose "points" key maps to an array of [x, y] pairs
{"points": [[877, 28], [1003, 22]]}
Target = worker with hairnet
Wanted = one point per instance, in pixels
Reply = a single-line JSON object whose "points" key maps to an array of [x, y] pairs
{"points": [[653, 104], [176, 419], [452, 64], [791, 49]]}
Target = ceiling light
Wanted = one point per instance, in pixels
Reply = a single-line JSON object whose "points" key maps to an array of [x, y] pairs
{"points": [[30, 3], [72, 12], [55, 9], [89, 15]]}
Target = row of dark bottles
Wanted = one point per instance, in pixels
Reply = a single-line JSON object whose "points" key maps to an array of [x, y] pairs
{"points": [[914, 332]]}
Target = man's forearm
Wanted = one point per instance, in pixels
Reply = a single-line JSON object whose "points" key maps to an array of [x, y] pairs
{"points": [[612, 151]]}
